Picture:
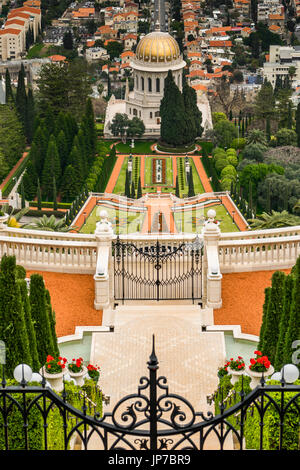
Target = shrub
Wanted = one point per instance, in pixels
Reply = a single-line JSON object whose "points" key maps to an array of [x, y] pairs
{"points": [[226, 184], [220, 164], [238, 144], [232, 160], [229, 171]]}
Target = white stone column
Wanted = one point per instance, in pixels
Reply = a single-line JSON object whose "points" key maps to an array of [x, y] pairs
{"points": [[211, 234], [103, 285]]}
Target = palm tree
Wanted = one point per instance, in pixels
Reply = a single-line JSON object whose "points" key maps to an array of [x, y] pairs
{"points": [[49, 224], [274, 220], [256, 136]]}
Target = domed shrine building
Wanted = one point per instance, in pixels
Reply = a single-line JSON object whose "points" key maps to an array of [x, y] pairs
{"points": [[156, 54]]}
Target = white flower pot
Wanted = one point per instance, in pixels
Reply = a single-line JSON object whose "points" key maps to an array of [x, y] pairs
{"points": [[256, 376], [55, 380], [78, 376], [235, 374]]}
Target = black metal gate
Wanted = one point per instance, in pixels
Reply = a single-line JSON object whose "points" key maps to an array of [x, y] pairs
{"points": [[157, 271]]}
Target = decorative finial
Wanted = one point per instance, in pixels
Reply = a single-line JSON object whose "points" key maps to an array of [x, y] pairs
{"points": [[153, 362]]}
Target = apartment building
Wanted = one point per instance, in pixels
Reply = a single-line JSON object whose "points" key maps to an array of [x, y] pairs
{"points": [[279, 63]]}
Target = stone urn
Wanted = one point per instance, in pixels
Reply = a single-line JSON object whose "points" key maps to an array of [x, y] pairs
{"points": [[78, 376], [256, 376], [3, 219], [235, 374], [55, 380]]}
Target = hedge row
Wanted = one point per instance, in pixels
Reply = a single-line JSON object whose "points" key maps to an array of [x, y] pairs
{"points": [[35, 422], [49, 204], [10, 183]]}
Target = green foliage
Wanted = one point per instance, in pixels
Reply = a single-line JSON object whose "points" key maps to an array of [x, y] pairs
{"points": [[225, 132], [55, 423], [286, 137]]}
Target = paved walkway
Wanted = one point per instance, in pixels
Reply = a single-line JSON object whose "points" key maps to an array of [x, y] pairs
{"points": [[188, 357]]}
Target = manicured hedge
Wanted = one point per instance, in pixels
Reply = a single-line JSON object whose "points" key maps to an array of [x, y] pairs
{"points": [[49, 205], [35, 429]]}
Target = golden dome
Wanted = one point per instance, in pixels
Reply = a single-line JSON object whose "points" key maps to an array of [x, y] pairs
{"points": [[157, 47]]}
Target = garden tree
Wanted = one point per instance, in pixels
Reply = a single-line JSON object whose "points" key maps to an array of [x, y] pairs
{"points": [[75, 159], [265, 102], [40, 317], [191, 190], [284, 322], [254, 152], [217, 117], [49, 121], [68, 40], [274, 313], [139, 189], [71, 130], [274, 220], [191, 108], [39, 148], [224, 133], [114, 49], [293, 330], [8, 89], [70, 186], [54, 194], [22, 195], [136, 127], [39, 196], [284, 107], [62, 148], [177, 192], [12, 322], [12, 138], [174, 120], [256, 136], [264, 317], [268, 128], [52, 321], [297, 117], [132, 193], [286, 136], [34, 363], [51, 169], [64, 86], [225, 100], [257, 173], [21, 97], [4, 168], [119, 125], [127, 184], [29, 116], [89, 127]]}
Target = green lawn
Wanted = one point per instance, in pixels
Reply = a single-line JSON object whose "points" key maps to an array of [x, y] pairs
{"points": [[196, 178], [122, 221], [191, 221], [120, 183], [140, 147], [148, 173], [35, 51]]}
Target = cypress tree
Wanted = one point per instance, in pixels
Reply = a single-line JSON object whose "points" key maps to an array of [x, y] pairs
{"points": [[70, 187], [191, 109], [298, 124], [8, 89], [268, 128], [177, 192], [54, 195], [274, 312], [62, 148], [35, 364], [284, 322], [29, 116], [191, 191], [230, 115], [21, 98], [41, 143], [127, 185], [51, 169], [52, 322], [39, 196], [75, 159], [139, 189], [293, 330], [264, 317], [29, 182], [40, 317], [12, 322], [132, 195]]}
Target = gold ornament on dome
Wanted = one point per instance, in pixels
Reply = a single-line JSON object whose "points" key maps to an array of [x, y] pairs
{"points": [[158, 47]]}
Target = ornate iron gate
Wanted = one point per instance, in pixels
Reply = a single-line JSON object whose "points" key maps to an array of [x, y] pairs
{"points": [[153, 418], [160, 271]]}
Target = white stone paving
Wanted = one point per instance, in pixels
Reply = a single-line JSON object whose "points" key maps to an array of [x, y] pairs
{"points": [[188, 357]]}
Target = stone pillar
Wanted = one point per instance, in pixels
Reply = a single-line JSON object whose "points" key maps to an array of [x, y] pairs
{"points": [[103, 285], [211, 234]]}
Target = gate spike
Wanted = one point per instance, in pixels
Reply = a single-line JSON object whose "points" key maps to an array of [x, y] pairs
{"points": [[153, 362]]}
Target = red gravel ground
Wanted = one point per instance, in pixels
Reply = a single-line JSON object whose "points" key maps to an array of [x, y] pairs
{"points": [[243, 298], [72, 298]]}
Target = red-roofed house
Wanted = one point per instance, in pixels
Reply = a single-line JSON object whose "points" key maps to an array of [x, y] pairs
{"points": [[11, 44], [130, 40]]}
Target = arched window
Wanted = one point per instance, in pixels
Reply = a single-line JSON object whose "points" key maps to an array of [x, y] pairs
{"points": [[134, 112], [137, 82], [157, 85], [143, 84], [149, 85]]}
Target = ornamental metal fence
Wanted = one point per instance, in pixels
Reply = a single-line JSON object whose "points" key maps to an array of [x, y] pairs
{"points": [[152, 419]]}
